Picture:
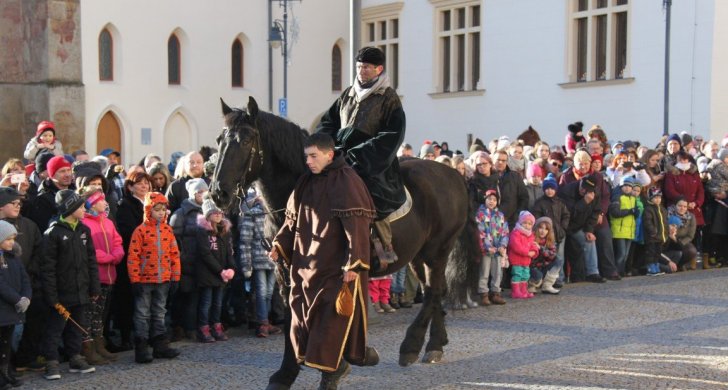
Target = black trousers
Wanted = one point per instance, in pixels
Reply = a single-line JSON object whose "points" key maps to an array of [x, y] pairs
{"points": [[31, 344], [6, 335], [57, 327]]}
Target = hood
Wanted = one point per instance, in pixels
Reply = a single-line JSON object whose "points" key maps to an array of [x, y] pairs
{"points": [[673, 170], [204, 224], [152, 199]]}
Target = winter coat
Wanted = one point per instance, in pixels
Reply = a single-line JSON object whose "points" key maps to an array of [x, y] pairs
{"points": [[369, 132], [686, 232], [43, 210], [654, 223], [33, 147], [153, 253], [14, 284], [184, 226], [30, 240], [109, 246], [214, 253], [622, 218], [582, 216], [555, 209], [534, 193], [177, 192], [513, 195], [130, 216], [493, 229], [519, 244], [69, 270], [639, 234], [478, 185], [718, 182], [687, 185], [546, 254]]}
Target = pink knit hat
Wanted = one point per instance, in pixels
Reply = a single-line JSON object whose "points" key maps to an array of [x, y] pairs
{"points": [[535, 170], [526, 216]]}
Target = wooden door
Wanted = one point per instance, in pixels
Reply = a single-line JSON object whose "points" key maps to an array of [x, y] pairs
{"points": [[108, 134]]}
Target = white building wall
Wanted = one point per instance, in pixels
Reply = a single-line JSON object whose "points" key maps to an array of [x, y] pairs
{"points": [[140, 90], [719, 85], [523, 57]]}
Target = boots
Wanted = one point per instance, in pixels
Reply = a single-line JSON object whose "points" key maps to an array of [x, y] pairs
{"points": [[204, 335], [484, 300], [384, 231], [88, 350], [496, 298], [548, 283], [394, 301], [693, 264], [218, 332], [706, 260], [524, 289], [141, 351], [330, 380], [161, 347], [387, 307], [7, 379], [533, 287], [100, 346], [516, 291], [402, 303]]}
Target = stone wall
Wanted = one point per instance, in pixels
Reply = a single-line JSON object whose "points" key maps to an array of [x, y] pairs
{"points": [[40, 72]]}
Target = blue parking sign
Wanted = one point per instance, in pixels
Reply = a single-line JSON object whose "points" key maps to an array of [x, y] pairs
{"points": [[283, 107]]}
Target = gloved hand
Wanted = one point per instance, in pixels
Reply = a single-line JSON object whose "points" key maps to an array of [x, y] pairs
{"points": [[22, 305]]}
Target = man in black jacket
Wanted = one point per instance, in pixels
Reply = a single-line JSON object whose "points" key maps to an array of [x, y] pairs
{"points": [[60, 177], [581, 252], [513, 193], [193, 169]]}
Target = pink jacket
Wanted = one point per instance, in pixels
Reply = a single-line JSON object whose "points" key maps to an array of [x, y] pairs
{"points": [[519, 245], [108, 244]]}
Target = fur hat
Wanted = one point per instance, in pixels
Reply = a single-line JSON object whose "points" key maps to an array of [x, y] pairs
{"points": [[576, 127], [44, 126], [8, 194], [56, 163], [194, 186], [546, 220], [209, 207], [674, 137], [653, 192], [41, 161], [525, 216], [6, 230], [67, 201], [550, 182], [370, 55]]}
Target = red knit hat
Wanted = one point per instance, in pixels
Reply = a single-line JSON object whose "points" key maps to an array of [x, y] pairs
{"points": [[57, 163], [43, 126]]}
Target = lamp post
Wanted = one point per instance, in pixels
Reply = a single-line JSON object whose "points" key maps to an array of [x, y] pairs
{"points": [[665, 127], [278, 37]]}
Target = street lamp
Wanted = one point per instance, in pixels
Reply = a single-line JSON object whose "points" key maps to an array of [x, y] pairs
{"points": [[277, 36]]}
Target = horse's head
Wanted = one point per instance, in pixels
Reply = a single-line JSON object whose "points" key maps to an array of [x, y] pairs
{"points": [[240, 154]]}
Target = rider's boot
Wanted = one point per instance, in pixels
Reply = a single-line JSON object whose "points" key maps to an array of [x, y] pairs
{"points": [[384, 231]]}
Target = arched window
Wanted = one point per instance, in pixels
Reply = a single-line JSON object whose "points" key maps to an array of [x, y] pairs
{"points": [[173, 59], [106, 56], [336, 68], [237, 63]]}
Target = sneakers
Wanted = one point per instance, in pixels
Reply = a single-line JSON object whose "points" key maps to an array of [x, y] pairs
{"points": [[387, 307], [653, 269], [52, 370], [204, 336], [265, 329], [78, 364], [218, 332], [377, 307]]}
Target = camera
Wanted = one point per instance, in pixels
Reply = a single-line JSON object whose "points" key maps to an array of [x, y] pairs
{"points": [[17, 178]]}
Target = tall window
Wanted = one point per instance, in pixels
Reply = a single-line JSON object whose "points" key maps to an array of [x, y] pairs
{"points": [[381, 29], [173, 60], [237, 63], [106, 56], [336, 68], [458, 32], [599, 40]]}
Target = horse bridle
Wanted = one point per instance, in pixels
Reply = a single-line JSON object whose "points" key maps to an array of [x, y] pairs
{"points": [[240, 188]]}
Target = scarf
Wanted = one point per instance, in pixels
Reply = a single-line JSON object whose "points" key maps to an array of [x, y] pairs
{"points": [[516, 165], [523, 230], [382, 82]]}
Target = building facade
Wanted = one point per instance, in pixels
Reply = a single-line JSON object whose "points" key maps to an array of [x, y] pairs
{"points": [[495, 67], [154, 79]]}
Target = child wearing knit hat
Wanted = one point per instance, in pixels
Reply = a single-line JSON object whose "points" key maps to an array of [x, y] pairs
{"points": [[214, 268], [623, 213], [534, 178], [44, 140], [522, 248], [15, 297], [655, 230]]}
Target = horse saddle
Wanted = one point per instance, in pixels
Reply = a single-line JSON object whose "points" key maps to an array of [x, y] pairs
{"points": [[402, 210]]}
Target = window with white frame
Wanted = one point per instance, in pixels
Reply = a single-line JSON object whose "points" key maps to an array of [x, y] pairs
{"points": [[598, 47], [381, 29], [457, 55]]}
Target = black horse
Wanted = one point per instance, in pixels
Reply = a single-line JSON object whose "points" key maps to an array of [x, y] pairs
{"points": [[436, 234]]}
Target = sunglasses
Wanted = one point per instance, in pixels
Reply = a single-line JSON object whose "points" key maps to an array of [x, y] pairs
{"points": [[557, 165]]}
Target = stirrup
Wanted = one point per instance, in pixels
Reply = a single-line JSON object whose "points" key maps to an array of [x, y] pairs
{"points": [[385, 257]]}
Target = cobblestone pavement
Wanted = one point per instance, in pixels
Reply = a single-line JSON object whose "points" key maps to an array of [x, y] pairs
{"points": [[668, 332]]}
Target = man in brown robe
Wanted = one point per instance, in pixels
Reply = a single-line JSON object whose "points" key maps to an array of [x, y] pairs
{"points": [[325, 241]]}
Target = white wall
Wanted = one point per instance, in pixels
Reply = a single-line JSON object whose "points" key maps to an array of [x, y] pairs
{"points": [[524, 61], [140, 90]]}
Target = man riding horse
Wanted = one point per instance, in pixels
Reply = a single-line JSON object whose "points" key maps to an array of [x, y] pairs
{"points": [[367, 122]]}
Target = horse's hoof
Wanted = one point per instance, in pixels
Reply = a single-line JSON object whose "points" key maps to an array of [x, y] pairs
{"points": [[406, 359], [432, 357], [277, 386]]}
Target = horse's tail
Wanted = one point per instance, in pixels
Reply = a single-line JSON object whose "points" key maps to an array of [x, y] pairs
{"points": [[462, 271]]}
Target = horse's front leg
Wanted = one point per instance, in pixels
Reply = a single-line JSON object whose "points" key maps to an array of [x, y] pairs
{"points": [[438, 333], [288, 372], [410, 348]]}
